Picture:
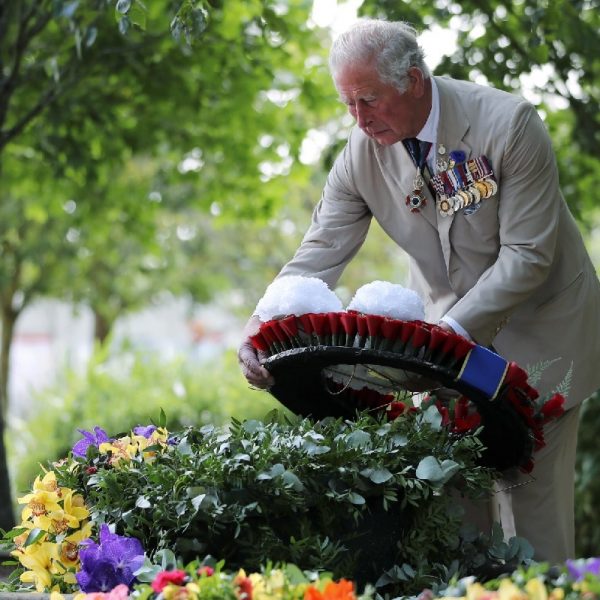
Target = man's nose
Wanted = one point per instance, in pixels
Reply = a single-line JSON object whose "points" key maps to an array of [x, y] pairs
{"points": [[362, 116]]}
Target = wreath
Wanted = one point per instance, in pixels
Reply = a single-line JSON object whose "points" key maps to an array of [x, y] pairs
{"points": [[339, 362]]}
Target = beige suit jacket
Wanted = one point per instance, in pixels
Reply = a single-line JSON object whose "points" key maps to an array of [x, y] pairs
{"points": [[514, 274]]}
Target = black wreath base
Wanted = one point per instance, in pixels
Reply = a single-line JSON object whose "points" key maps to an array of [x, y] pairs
{"points": [[301, 386]]}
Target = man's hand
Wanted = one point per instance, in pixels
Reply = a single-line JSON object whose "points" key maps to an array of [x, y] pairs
{"points": [[250, 359]]}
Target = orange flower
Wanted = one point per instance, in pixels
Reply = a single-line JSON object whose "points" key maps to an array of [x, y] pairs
{"points": [[342, 590]]}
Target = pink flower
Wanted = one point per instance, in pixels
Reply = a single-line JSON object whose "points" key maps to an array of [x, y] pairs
{"points": [[121, 592], [164, 578], [206, 571]]}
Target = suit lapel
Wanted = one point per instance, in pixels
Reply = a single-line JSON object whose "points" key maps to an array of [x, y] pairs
{"points": [[452, 128], [399, 167]]}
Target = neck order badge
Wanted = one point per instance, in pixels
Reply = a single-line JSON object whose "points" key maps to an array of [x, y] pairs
{"points": [[418, 151]]}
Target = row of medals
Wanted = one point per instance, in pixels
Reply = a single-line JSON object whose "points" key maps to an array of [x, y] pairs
{"points": [[476, 191]]}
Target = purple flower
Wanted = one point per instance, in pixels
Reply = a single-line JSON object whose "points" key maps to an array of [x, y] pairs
{"points": [[90, 439], [146, 431], [111, 562], [580, 567]]}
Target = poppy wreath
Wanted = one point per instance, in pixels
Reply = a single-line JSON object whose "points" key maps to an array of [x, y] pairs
{"points": [[488, 393]]}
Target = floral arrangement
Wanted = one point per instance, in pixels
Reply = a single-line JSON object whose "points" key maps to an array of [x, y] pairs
{"points": [[208, 580], [369, 500], [53, 542]]}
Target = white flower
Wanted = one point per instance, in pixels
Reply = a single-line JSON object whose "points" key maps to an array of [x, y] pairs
{"points": [[389, 300], [296, 295]]}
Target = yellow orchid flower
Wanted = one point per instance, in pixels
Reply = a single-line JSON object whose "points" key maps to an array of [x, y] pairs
{"points": [[75, 509], [190, 591], [47, 483], [557, 594], [38, 559], [121, 450], [269, 587], [68, 549], [536, 590], [68, 517], [509, 591], [39, 503]]}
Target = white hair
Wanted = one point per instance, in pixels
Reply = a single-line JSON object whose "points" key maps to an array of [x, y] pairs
{"points": [[392, 45]]}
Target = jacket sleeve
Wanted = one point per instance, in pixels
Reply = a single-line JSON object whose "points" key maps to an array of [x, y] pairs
{"points": [[340, 223], [528, 212]]}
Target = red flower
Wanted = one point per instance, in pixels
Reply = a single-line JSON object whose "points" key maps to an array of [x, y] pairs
{"points": [[348, 320], [462, 424], [444, 412], [553, 408], [374, 324], [289, 325], [91, 470], [206, 571], [243, 587], [395, 409], [164, 578]]}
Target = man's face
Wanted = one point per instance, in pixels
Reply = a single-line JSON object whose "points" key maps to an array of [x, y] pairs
{"points": [[380, 110]]}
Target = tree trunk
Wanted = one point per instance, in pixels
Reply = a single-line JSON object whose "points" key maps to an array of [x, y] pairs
{"points": [[102, 326], [9, 318]]}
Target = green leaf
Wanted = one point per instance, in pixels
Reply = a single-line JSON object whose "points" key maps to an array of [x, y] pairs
{"points": [[433, 417], [429, 469], [138, 15], [124, 24], [358, 439], [34, 536], [162, 419], [356, 498], [291, 480], [123, 6], [381, 475], [143, 502]]}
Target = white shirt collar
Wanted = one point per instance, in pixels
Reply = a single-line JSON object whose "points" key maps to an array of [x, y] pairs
{"points": [[429, 131]]}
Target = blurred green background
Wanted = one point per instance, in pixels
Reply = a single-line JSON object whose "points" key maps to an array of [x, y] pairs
{"points": [[172, 152]]}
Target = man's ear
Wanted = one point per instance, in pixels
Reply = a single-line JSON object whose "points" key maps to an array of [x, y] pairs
{"points": [[416, 80]]}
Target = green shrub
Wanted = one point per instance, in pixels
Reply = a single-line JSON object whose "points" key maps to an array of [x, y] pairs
{"points": [[367, 499]]}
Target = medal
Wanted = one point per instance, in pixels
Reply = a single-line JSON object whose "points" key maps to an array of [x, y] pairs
{"points": [[445, 207], [418, 181], [416, 201], [418, 151], [463, 184], [441, 164]]}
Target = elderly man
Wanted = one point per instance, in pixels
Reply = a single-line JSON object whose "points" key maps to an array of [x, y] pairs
{"points": [[463, 178]]}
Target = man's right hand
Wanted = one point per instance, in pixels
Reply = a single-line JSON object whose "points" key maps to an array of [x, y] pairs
{"points": [[250, 359]]}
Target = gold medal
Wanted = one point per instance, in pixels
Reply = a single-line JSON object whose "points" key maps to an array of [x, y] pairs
{"points": [[482, 188], [466, 197]]}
